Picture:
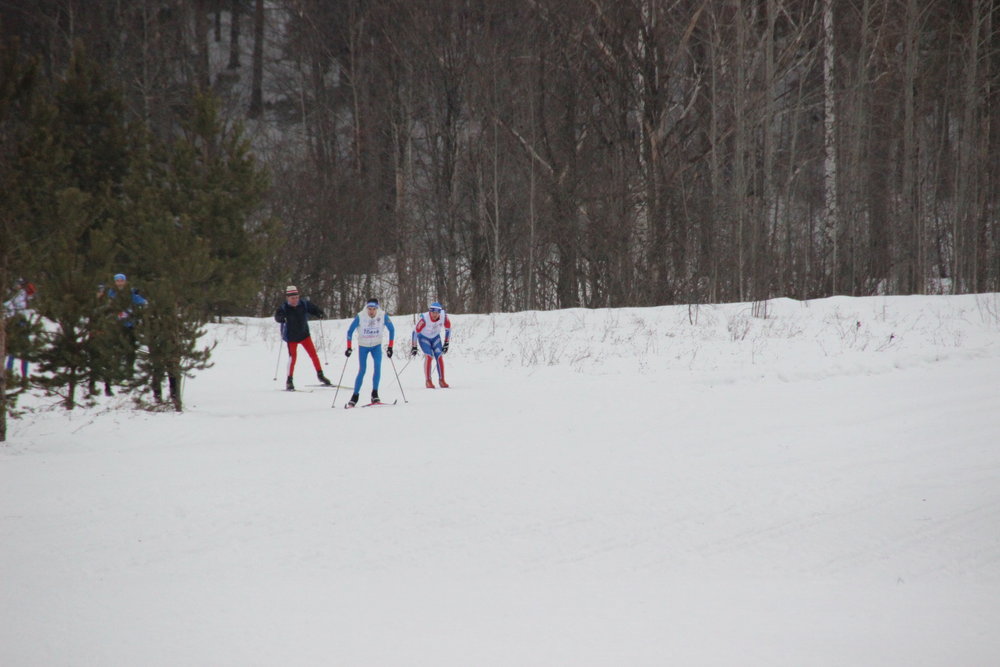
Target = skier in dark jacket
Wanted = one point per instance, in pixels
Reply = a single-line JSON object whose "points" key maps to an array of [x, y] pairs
{"points": [[294, 318]]}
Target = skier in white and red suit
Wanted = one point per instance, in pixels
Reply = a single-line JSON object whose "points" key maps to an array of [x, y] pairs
{"points": [[432, 333]]}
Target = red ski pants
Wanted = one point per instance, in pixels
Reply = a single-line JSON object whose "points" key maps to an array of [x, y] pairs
{"points": [[307, 343], [428, 360]]}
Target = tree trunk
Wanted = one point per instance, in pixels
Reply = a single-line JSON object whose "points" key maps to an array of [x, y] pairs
{"points": [[174, 383], [768, 214], [741, 185], [985, 271], [256, 90], [201, 44], [831, 223], [234, 34], [910, 277]]}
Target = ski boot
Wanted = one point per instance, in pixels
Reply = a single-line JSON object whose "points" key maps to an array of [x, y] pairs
{"points": [[442, 383], [430, 384], [289, 385], [322, 378], [354, 401], [375, 398]]}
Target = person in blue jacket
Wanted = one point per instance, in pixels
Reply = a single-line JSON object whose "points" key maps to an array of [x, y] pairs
{"points": [[125, 300], [125, 303], [370, 324]]}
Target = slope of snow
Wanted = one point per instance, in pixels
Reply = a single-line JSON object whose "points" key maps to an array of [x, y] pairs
{"points": [[599, 487]]}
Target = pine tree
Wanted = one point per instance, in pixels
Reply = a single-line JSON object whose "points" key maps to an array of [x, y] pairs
{"points": [[172, 323], [17, 89], [94, 195], [191, 202], [170, 336], [80, 348], [69, 175], [218, 186]]}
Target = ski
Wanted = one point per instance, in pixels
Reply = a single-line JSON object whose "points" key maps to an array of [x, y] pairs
{"points": [[330, 386], [297, 391], [348, 406]]}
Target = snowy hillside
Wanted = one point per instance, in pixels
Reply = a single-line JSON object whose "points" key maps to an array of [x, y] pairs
{"points": [[662, 486]]}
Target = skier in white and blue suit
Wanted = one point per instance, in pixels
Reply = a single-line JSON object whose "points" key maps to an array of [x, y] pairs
{"points": [[370, 324]]}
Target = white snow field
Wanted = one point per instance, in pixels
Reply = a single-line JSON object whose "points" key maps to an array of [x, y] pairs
{"points": [[658, 486]]}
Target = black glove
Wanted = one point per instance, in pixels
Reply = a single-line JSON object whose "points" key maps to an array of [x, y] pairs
{"points": [[280, 318], [388, 353], [347, 352], [320, 314], [445, 347], [413, 350]]}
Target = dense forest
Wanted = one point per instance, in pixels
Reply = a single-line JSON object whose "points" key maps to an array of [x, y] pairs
{"points": [[536, 154]]}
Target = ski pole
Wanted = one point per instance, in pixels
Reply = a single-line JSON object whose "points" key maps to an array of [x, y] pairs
{"points": [[326, 359], [397, 379], [337, 391], [277, 361], [406, 364]]}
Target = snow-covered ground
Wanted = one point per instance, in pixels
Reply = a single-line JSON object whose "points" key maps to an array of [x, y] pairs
{"points": [[662, 486]]}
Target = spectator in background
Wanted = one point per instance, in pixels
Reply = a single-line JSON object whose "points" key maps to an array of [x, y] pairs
{"points": [[125, 302]]}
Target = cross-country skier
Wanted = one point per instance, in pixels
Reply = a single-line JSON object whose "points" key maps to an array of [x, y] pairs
{"points": [[294, 317], [17, 311], [432, 327], [370, 323]]}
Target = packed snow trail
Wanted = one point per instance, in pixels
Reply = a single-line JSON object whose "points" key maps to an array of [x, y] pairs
{"points": [[797, 490]]}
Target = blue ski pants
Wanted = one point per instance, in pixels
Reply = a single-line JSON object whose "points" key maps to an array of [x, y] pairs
{"points": [[363, 352]]}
